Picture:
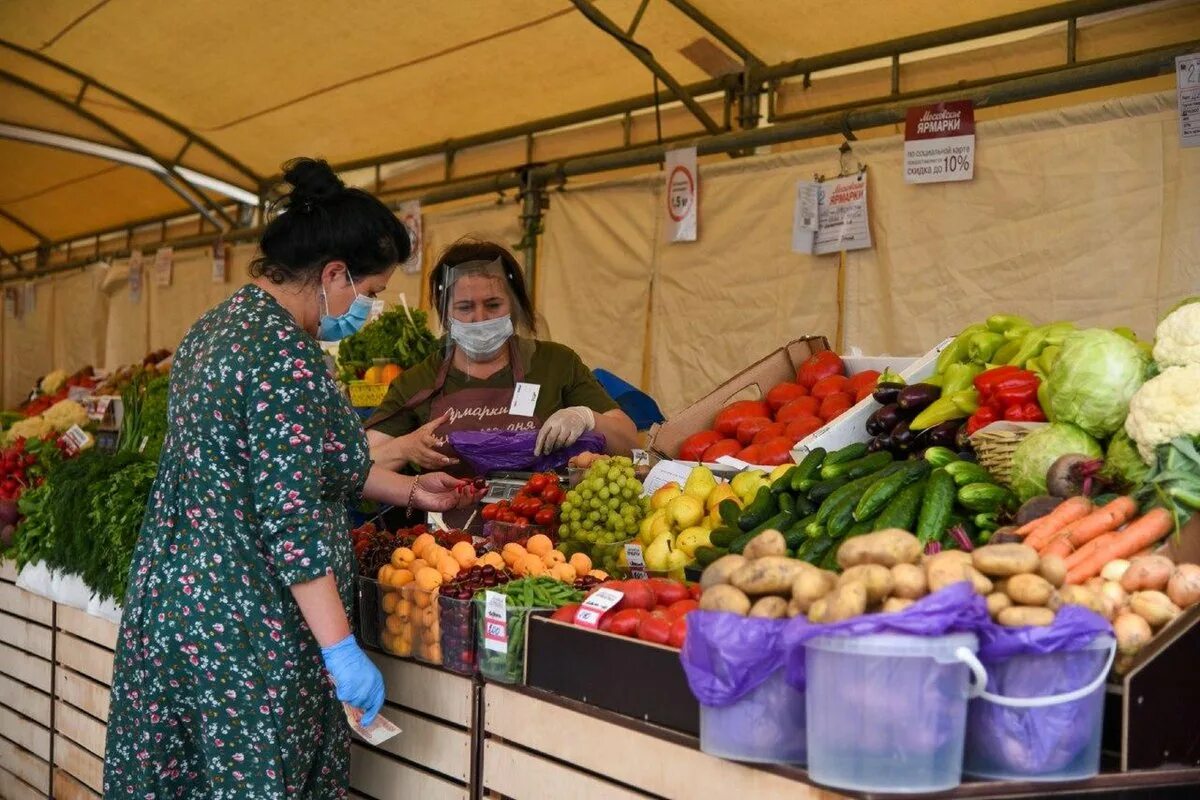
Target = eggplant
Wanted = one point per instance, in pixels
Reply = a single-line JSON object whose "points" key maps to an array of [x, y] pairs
{"points": [[943, 434], [914, 399], [884, 419], [875, 444], [903, 436], [886, 392]]}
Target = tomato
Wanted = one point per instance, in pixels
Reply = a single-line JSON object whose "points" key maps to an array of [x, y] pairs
{"points": [[693, 447], [552, 494], [835, 404], [606, 622], [827, 386], [775, 452], [784, 393], [667, 591], [627, 621], [694, 590], [860, 380], [732, 415], [545, 515], [800, 407], [819, 365], [678, 633], [637, 595], [566, 613], [536, 484], [748, 428], [800, 427], [772, 431], [725, 447], [751, 454], [490, 511], [863, 392], [520, 522], [681, 607], [654, 628]]}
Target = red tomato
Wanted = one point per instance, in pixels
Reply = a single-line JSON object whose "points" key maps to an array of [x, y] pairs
{"points": [[667, 591], [536, 483], [864, 392], [606, 622], [678, 633], [566, 613], [835, 404], [694, 590], [627, 621], [800, 407], [681, 607], [732, 415], [490, 511], [775, 452], [859, 380], [545, 515], [800, 427], [520, 522], [751, 454], [655, 629], [506, 516], [819, 365], [831, 385], [552, 494], [772, 431], [637, 595], [694, 446], [783, 394], [748, 428], [725, 447]]}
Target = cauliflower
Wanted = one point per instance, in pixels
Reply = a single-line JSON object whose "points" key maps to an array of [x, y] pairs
{"points": [[1165, 407], [1177, 340], [53, 381], [30, 428], [64, 414]]}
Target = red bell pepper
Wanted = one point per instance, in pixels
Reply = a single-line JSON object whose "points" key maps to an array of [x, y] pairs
{"points": [[1015, 392], [1026, 412], [985, 381], [985, 416]]}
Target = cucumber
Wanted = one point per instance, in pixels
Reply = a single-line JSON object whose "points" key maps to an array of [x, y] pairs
{"points": [[851, 492], [761, 507], [901, 512], [821, 491], [815, 551], [722, 536], [936, 506], [781, 521], [985, 496], [858, 467], [848, 453], [807, 470], [787, 503], [797, 535], [784, 482], [707, 555], [729, 511], [861, 527], [965, 472], [884, 489], [940, 456]]}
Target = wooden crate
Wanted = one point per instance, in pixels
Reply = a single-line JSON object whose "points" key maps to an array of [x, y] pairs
{"points": [[26, 678], [82, 675]]}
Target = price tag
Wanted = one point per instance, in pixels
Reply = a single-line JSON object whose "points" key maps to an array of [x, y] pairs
{"points": [[164, 265], [524, 399], [79, 394], [730, 461], [665, 472], [635, 559], [495, 622], [97, 406], [135, 276], [219, 275], [588, 615], [75, 439]]}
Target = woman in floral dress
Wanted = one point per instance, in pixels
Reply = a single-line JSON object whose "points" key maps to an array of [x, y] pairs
{"points": [[235, 627]]}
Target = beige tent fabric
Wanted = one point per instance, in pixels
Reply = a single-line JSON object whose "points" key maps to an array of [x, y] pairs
{"points": [[28, 344], [175, 308], [80, 319], [489, 221]]}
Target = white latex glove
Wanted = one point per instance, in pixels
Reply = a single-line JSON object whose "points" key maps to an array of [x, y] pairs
{"points": [[563, 429]]}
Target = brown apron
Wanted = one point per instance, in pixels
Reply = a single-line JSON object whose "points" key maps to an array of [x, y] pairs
{"points": [[483, 409]]}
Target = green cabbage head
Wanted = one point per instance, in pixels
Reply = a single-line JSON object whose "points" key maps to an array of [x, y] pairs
{"points": [[1040, 449], [1122, 462], [1096, 373]]}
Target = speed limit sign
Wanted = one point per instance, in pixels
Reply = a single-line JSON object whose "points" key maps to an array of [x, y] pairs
{"points": [[682, 195]]}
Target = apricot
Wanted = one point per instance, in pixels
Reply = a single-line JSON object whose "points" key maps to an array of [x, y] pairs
{"points": [[428, 579], [464, 554], [581, 563], [539, 544]]}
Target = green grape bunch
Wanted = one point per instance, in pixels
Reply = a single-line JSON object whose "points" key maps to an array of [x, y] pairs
{"points": [[603, 510]]}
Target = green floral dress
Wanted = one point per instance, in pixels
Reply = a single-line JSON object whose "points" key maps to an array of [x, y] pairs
{"points": [[219, 689]]}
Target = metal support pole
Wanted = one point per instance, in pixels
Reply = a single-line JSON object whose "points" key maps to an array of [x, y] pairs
{"points": [[534, 201], [20, 223], [895, 73], [637, 18], [1072, 34]]}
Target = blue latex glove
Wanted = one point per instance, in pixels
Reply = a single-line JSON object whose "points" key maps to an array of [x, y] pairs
{"points": [[355, 678]]}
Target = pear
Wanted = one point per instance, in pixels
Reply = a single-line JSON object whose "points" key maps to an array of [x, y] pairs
{"points": [[659, 523], [657, 553], [746, 484], [700, 482], [688, 540], [676, 561], [685, 511], [722, 491], [665, 494]]}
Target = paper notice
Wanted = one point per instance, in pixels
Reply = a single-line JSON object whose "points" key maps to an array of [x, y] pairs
{"points": [[843, 215], [665, 472], [410, 214], [135, 276], [1187, 78], [682, 195], [164, 265], [375, 734], [939, 143]]}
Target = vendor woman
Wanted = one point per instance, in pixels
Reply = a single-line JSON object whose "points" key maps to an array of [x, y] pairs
{"points": [[490, 349]]}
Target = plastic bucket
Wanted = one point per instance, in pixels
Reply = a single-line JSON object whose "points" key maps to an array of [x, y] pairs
{"points": [[888, 712], [766, 726], [1013, 735]]}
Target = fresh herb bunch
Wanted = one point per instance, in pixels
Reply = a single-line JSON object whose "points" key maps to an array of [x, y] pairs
{"points": [[400, 335], [116, 509], [35, 531], [144, 424]]}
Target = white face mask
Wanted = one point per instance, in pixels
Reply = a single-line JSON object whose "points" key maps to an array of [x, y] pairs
{"points": [[481, 340]]}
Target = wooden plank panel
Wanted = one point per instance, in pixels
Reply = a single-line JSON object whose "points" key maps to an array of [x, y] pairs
{"points": [[24, 604], [25, 765], [79, 728], [83, 766], [85, 626], [431, 691], [381, 776], [67, 788], [82, 693], [26, 701], [26, 668], [434, 746], [8, 570], [85, 658], [25, 635], [631, 757], [12, 788], [25, 732], [517, 774]]}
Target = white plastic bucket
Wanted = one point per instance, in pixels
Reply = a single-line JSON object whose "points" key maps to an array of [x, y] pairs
{"points": [[766, 726]]}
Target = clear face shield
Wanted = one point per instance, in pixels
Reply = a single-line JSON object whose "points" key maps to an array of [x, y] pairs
{"points": [[479, 312]]}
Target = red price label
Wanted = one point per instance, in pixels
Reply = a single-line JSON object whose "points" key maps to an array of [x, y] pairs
{"points": [[588, 615]]}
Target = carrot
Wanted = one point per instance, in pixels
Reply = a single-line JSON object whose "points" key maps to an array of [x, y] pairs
{"points": [[1039, 532], [1060, 547], [1110, 517], [1082, 553], [1142, 532]]}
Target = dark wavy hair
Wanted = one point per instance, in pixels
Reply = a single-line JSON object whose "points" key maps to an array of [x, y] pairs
{"points": [[321, 220], [468, 249]]}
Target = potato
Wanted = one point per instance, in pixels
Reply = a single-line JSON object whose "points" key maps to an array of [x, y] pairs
{"points": [[767, 575], [769, 607], [1154, 607], [960, 556], [887, 548], [1021, 616], [877, 579], [846, 601], [997, 602], [979, 581], [895, 604], [1096, 584], [945, 568], [831, 578], [1147, 573], [1114, 592], [1114, 569], [1132, 633], [1053, 569], [908, 582], [1184, 585], [1078, 596], [723, 597], [809, 587], [793, 609], [719, 571], [1029, 590], [1108, 606], [767, 543], [1005, 560]]}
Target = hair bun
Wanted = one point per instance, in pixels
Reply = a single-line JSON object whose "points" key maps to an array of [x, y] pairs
{"points": [[312, 180]]}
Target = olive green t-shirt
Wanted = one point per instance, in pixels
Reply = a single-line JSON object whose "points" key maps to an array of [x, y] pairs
{"points": [[564, 380]]}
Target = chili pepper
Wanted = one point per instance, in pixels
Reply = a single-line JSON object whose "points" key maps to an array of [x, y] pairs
{"points": [[941, 410], [985, 416], [959, 377], [956, 351], [1006, 351], [982, 346], [1045, 362], [1003, 323], [967, 401]]}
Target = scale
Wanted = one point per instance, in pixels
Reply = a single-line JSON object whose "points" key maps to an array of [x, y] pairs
{"points": [[504, 485]]}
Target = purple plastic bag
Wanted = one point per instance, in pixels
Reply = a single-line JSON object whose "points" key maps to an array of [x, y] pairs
{"points": [[494, 451], [726, 656], [1038, 662]]}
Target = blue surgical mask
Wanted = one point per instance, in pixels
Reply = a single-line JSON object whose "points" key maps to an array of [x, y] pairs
{"points": [[479, 340], [360, 312]]}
